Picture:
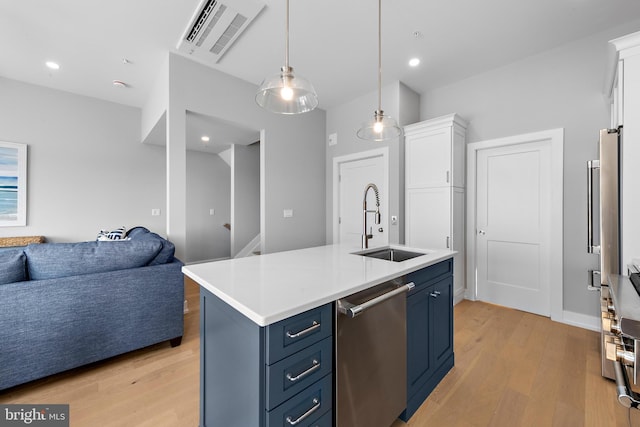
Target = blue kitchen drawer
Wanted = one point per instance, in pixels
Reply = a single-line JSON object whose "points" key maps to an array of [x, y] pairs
{"points": [[306, 408], [298, 371], [430, 274], [295, 333], [325, 421]]}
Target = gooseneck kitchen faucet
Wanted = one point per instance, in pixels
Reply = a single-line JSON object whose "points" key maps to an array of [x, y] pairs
{"points": [[366, 236]]}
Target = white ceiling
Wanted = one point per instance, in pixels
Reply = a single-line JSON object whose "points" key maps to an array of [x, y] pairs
{"points": [[222, 134], [333, 42]]}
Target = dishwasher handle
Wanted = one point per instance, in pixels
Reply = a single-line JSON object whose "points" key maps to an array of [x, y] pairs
{"points": [[351, 311]]}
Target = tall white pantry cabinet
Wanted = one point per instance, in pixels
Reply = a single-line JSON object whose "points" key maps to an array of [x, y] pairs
{"points": [[434, 189]]}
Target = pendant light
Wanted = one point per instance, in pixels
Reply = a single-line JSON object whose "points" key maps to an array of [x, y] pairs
{"points": [[286, 92], [380, 127]]}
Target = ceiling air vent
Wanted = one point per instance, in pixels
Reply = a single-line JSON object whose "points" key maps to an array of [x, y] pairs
{"points": [[215, 26]]}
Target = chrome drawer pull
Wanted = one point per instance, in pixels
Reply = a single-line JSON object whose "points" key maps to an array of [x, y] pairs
{"points": [[311, 328], [314, 408], [435, 294], [315, 366]]}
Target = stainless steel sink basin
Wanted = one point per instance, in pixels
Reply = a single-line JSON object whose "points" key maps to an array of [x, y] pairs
{"points": [[390, 254]]}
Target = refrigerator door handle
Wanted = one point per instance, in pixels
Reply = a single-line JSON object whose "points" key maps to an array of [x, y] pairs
{"points": [[591, 166]]}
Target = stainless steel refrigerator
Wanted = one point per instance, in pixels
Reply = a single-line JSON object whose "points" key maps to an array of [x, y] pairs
{"points": [[603, 219]]}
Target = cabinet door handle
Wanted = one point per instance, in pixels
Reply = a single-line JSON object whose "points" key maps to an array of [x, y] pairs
{"points": [[435, 294], [314, 408], [351, 311], [314, 366], [447, 176], [315, 325], [448, 242]]}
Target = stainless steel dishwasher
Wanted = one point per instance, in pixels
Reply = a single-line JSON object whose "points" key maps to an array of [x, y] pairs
{"points": [[371, 356]]}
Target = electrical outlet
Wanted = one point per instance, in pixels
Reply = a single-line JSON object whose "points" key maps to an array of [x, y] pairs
{"points": [[394, 220], [287, 213], [155, 212], [333, 139]]}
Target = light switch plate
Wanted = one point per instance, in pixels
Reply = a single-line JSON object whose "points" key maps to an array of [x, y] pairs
{"points": [[333, 139], [287, 213], [155, 212]]}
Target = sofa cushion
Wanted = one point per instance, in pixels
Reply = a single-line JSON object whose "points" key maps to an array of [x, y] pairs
{"points": [[52, 260], [12, 266], [168, 250]]}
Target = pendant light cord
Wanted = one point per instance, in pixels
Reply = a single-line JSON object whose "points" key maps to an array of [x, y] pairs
{"points": [[379, 55], [286, 44]]}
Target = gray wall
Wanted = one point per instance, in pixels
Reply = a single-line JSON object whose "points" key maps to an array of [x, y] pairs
{"points": [[86, 167], [208, 187], [245, 189], [399, 102], [561, 88], [290, 178]]}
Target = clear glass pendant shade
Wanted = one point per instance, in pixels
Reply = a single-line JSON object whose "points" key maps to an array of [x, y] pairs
{"points": [[379, 128], [287, 93]]}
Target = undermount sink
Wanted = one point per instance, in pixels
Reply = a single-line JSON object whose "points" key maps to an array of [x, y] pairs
{"points": [[390, 254]]}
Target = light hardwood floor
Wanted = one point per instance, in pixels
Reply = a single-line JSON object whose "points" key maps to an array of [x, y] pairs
{"points": [[512, 369]]}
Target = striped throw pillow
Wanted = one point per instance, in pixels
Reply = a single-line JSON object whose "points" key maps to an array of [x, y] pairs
{"points": [[117, 234]]}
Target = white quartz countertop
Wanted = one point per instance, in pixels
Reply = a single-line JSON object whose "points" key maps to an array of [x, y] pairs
{"points": [[272, 287]]}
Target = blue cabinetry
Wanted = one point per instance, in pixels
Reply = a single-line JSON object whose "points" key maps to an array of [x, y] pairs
{"points": [[275, 376], [429, 332], [282, 375]]}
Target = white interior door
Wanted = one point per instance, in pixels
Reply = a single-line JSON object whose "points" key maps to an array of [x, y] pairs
{"points": [[513, 220], [353, 178]]}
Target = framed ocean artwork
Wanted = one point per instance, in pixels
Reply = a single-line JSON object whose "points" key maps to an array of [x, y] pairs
{"points": [[13, 184]]}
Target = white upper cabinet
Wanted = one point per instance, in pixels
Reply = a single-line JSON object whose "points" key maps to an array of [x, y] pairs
{"points": [[434, 152]]}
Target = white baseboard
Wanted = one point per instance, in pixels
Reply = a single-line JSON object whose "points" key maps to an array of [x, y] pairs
{"points": [[469, 295], [581, 320], [458, 296]]}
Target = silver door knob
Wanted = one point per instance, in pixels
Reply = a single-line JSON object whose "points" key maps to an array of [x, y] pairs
{"points": [[482, 232]]}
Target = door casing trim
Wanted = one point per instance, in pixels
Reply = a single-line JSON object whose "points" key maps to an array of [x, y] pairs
{"points": [[555, 139], [337, 161]]}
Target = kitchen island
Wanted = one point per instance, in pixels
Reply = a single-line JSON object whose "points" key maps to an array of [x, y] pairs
{"points": [[267, 330]]}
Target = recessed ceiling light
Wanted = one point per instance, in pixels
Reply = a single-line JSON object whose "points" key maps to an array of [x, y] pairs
{"points": [[414, 62], [52, 65], [205, 138]]}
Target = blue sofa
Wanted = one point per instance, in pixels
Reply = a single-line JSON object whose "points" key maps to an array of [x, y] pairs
{"points": [[64, 305]]}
